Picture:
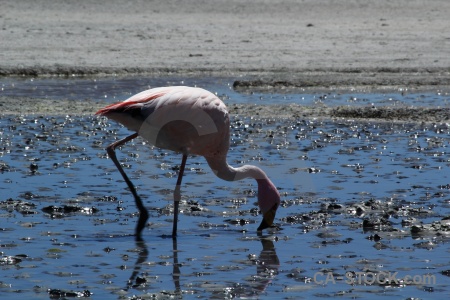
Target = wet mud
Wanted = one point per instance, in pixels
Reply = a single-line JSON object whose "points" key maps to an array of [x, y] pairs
{"points": [[85, 95], [365, 211]]}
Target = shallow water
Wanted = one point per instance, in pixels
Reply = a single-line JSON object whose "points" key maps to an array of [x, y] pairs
{"points": [[358, 199], [120, 88]]}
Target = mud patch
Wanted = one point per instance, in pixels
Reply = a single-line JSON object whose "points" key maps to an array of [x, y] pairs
{"points": [[360, 200]]}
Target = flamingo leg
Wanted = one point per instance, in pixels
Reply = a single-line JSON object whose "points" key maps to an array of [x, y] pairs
{"points": [[143, 213], [177, 196]]}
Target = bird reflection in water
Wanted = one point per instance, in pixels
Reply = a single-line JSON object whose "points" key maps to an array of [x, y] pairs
{"points": [[135, 280], [267, 265]]}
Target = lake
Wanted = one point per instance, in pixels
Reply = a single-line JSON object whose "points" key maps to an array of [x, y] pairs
{"points": [[365, 204]]}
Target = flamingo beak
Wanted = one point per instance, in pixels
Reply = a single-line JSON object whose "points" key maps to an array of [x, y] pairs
{"points": [[268, 218]]}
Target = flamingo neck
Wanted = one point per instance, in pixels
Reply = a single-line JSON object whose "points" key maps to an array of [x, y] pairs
{"points": [[224, 171], [268, 196]]}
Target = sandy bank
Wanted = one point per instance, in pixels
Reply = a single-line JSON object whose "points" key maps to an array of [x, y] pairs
{"points": [[44, 107], [265, 45], [261, 43]]}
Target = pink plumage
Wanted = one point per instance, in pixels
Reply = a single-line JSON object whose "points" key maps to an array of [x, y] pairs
{"points": [[190, 121]]}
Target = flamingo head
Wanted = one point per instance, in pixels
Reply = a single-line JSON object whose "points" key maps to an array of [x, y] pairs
{"points": [[268, 201]]}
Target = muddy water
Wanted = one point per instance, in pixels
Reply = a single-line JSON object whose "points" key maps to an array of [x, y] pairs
{"points": [[119, 88], [365, 212]]}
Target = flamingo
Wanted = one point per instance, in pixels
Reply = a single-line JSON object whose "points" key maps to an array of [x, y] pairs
{"points": [[191, 121]]}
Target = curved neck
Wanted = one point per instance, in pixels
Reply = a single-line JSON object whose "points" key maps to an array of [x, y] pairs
{"points": [[224, 171]]}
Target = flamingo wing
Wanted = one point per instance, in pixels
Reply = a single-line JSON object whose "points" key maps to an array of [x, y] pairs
{"points": [[139, 99], [184, 119]]}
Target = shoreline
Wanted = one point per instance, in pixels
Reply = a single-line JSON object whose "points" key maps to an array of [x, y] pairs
{"points": [[262, 79], [263, 46], [305, 43], [22, 106]]}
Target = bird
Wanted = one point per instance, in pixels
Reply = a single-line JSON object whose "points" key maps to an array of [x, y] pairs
{"points": [[189, 121]]}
